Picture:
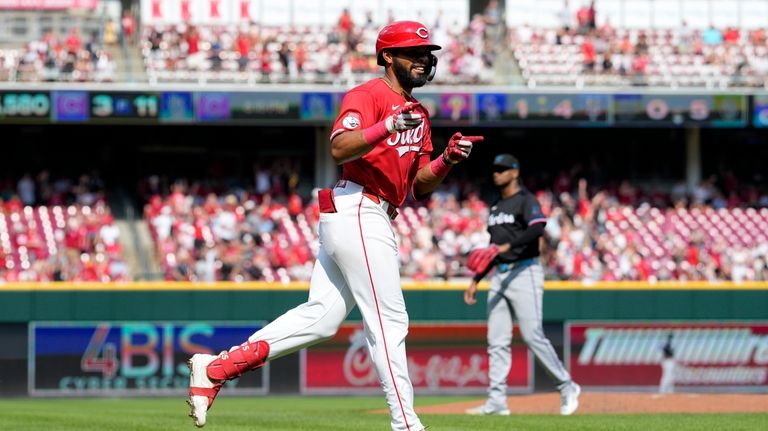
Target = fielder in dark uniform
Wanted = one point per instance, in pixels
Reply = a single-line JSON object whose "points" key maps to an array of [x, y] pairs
{"points": [[515, 223]]}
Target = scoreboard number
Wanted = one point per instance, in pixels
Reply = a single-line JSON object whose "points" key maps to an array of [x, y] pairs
{"points": [[125, 105], [24, 105], [146, 106], [101, 105]]}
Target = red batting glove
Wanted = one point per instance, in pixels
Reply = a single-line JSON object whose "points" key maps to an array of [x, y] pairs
{"points": [[459, 147]]}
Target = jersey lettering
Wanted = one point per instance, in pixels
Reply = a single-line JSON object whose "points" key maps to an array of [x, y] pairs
{"points": [[409, 140], [501, 218]]}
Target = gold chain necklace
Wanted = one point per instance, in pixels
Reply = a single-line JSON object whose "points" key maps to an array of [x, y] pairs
{"points": [[402, 92]]}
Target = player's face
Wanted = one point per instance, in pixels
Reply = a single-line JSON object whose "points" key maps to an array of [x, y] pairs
{"points": [[502, 176], [411, 66]]}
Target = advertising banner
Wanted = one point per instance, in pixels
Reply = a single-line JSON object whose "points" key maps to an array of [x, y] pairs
{"points": [[626, 355], [265, 106], [544, 109], [302, 108], [448, 108], [760, 111], [129, 358], [657, 110], [442, 358], [71, 106]]}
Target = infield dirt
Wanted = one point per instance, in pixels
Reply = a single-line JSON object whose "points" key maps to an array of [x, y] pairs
{"points": [[601, 402]]}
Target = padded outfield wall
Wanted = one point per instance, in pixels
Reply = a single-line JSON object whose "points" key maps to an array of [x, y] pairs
{"points": [[133, 339]]}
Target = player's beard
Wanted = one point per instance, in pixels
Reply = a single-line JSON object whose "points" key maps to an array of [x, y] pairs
{"points": [[406, 79]]}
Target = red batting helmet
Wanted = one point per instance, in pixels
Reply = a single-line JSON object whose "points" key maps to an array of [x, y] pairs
{"points": [[403, 34]]}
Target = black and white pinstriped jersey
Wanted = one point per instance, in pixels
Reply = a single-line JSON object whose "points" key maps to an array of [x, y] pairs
{"points": [[509, 218]]}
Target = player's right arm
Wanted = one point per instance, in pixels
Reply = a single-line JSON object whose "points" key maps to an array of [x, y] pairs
{"points": [[470, 295], [356, 131]]}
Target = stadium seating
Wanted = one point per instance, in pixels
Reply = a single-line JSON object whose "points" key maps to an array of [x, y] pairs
{"points": [[647, 243], [58, 229], [653, 57], [261, 239], [275, 54], [54, 58], [59, 243]]}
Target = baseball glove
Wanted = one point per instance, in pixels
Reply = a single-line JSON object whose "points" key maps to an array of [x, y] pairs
{"points": [[481, 258]]}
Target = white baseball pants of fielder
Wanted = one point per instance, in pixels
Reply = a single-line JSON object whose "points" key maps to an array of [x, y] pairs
{"points": [[521, 289], [667, 383], [357, 265]]}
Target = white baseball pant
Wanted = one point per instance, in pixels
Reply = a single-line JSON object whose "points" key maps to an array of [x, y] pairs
{"points": [[667, 382], [357, 265]]}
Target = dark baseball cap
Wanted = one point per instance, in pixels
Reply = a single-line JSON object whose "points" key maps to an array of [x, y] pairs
{"points": [[506, 161]]}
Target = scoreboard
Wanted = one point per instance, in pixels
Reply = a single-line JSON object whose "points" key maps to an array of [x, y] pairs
{"points": [[550, 108], [677, 110], [112, 106], [291, 108]]}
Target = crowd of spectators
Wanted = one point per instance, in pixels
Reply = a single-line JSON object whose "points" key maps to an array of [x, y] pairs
{"points": [[55, 58], [343, 53], [58, 229], [624, 234], [61, 229], [619, 232], [580, 51]]}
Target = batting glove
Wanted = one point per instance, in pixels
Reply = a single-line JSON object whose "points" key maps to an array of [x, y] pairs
{"points": [[404, 119], [459, 147]]}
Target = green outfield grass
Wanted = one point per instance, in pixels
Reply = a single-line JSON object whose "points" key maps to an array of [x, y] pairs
{"points": [[319, 414]]}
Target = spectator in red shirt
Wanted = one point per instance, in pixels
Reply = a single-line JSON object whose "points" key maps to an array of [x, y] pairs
{"points": [[345, 23], [73, 42], [128, 25], [192, 38], [583, 19], [589, 54], [300, 56], [243, 45], [731, 36]]}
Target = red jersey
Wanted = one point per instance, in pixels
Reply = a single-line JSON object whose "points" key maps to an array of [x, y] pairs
{"points": [[389, 169]]}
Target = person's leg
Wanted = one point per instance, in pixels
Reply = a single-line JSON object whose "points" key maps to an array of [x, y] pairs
{"points": [[369, 261], [499, 343], [667, 376], [527, 293], [318, 319], [330, 301]]}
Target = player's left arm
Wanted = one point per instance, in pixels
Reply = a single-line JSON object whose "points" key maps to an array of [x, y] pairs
{"points": [[431, 173]]}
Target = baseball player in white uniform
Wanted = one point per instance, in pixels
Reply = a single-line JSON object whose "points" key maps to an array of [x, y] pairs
{"points": [[383, 140]]}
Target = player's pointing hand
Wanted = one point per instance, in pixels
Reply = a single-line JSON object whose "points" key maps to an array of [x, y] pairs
{"points": [[459, 147], [404, 118]]}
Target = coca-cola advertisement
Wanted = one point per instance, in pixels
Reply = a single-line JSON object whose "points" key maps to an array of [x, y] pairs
{"points": [[695, 355], [445, 359]]}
